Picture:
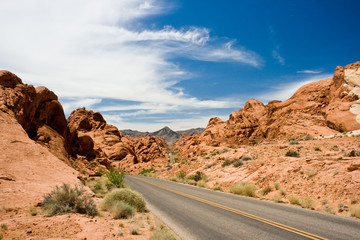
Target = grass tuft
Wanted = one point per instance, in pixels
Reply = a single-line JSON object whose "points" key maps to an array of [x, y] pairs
{"points": [[292, 154], [266, 190], [294, 200], [238, 163], [307, 202], [162, 234], [122, 210], [68, 200], [244, 188]]}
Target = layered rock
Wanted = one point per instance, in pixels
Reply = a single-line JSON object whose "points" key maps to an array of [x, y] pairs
{"points": [[320, 108]]}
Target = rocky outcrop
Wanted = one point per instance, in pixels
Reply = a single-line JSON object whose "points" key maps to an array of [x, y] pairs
{"points": [[37, 110], [320, 108], [85, 140], [92, 137]]}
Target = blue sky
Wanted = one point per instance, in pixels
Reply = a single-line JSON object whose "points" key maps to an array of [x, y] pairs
{"points": [[146, 64]]}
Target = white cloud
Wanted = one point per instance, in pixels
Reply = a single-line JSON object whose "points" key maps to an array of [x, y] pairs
{"points": [[89, 50], [285, 91], [309, 71]]}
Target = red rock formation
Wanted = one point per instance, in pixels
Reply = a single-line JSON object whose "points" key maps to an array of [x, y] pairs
{"points": [[320, 108], [92, 136]]}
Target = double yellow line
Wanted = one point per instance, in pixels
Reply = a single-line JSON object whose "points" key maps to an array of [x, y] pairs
{"points": [[248, 215]]}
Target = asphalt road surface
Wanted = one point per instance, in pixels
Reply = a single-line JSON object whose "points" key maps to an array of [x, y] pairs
{"points": [[196, 213]]}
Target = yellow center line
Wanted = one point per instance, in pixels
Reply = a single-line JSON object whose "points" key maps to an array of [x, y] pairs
{"points": [[260, 219]]}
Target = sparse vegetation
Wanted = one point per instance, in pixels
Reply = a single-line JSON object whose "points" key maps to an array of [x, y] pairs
{"points": [[4, 227], [198, 176], [246, 158], [227, 162], [353, 200], [294, 200], [202, 183], [293, 141], [238, 163], [276, 186], [122, 209], [307, 202], [266, 190], [355, 211], [162, 234], [123, 195], [182, 175], [218, 188], [244, 188], [134, 230], [146, 172], [68, 200], [33, 211], [210, 165], [292, 154], [318, 149]]}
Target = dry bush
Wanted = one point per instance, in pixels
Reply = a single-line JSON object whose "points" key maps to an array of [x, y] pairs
{"points": [[68, 200], [355, 211], [244, 188], [162, 234], [122, 210], [294, 200], [202, 184], [307, 202]]}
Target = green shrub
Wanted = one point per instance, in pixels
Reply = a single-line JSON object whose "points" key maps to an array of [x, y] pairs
{"points": [[307, 202], [198, 176], [294, 200], [355, 211], [115, 177], [266, 190], [121, 210], [68, 200], [244, 188], [162, 234], [123, 195], [318, 149], [292, 154], [227, 162], [238, 163], [182, 175]]}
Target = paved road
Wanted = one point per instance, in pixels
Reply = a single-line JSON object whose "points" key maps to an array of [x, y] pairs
{"points": [[196, 213]]}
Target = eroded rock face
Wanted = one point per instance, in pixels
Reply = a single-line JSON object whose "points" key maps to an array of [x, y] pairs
{"points": [[37, 110], [320, 108]]}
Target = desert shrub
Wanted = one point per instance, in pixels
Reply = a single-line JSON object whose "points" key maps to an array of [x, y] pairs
{"points": [[294, 200], [198, 176], [123, 195], [308, 137], [191, 182], [68, 200], [121, 210], [4, 227], [294, 141], [246, 158], [33, 211], [355, 211], [224, 151], [218, 188], [292, 154], [115, 177], [238, 163], [282, 192], [277, 198], [146, 172], [227, 162], [276, 186], [134, 230], [310, 172], [353, 200], [202, 184], [244, 188], [210, 165], [329, 210], [318, 149], [307, 202], [162, 234], [182, 175], [266, 190]]}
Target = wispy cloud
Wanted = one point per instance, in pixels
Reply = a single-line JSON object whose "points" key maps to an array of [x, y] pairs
{"points": [[276, 46], [88, 50], [284, 91], [309, 71]]}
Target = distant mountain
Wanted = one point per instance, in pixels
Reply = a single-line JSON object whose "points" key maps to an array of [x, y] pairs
{"points": [[168, 134]]}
